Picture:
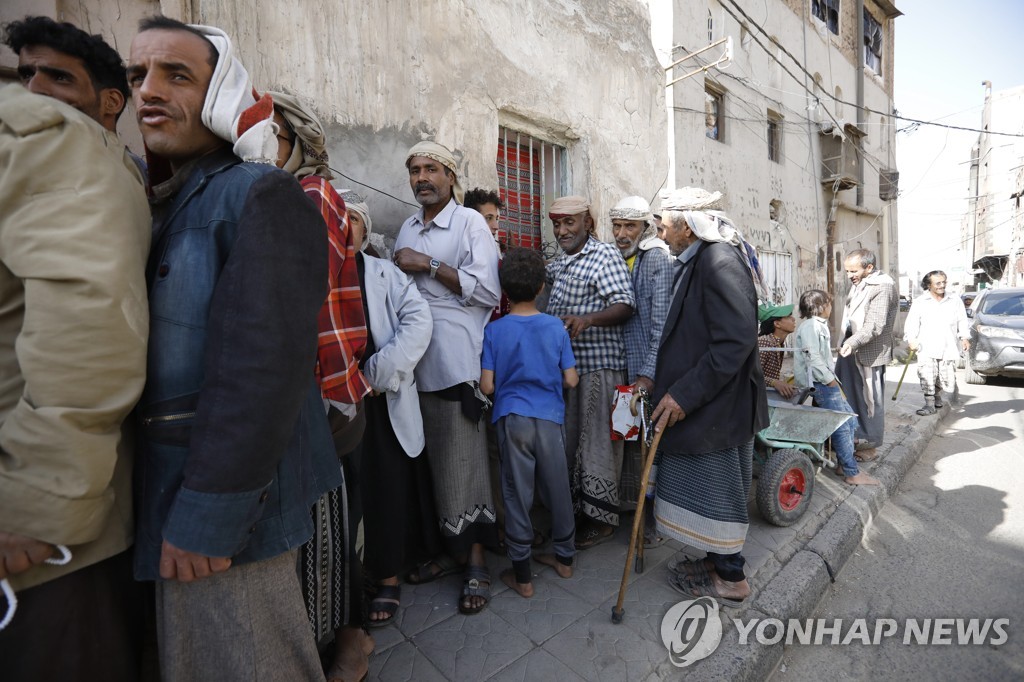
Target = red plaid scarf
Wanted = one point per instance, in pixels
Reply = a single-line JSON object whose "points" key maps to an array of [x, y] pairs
{"points": [[342, 324]]}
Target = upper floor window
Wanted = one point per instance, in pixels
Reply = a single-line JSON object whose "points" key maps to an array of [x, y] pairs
{"points": [[713, 115], [872, 43], [827, 12], [774, 137]]}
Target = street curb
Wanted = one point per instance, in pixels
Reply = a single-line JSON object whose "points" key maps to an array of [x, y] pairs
{"points": [[797, 589]]}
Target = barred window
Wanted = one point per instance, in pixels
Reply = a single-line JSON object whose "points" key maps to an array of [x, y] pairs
{"points": [[531, 174]]}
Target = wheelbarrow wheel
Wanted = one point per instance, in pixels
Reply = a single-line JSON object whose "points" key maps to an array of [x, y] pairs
{"points": [[785, 487]]}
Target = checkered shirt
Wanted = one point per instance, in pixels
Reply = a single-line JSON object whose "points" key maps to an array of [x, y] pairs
{"points": [[589, 282]]}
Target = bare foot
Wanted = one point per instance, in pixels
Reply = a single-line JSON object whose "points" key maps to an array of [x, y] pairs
{"points": [[508, 576], [350, 662], [862, 479], [551, 560]]}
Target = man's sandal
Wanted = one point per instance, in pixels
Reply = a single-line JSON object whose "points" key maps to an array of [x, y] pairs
{"points": [[594, 536], [425, 573], [699, 569], [693, 588], [476, 582], [386, 601]]}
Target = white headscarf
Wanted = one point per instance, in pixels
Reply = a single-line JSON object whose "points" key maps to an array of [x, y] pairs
{"points": [[700, 209], [445, 157], [231, 110], [355, 203]]}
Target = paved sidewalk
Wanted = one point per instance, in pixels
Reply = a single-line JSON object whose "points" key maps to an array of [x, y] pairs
{"points": [[565, 631]]}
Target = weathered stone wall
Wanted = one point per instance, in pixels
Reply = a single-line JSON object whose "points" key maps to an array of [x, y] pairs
{"points": [[384, 74]]}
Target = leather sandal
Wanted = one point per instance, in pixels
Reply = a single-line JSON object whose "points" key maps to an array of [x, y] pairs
{"points": [[594, 536], [387, 601], [475, 583], [699, 569], [692, 588]]}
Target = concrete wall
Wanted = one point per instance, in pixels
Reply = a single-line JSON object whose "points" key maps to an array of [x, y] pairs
{"points": [[385, 74], [754, 84]]}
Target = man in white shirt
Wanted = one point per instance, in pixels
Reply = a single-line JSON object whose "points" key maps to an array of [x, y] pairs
{"points": [[449, 252], [936, 329]]}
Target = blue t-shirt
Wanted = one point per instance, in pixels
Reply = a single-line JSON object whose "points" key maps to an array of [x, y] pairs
{"points": [[527, 354]]}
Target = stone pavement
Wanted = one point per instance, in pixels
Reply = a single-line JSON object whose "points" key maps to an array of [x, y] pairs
{"points": [[565, 631]]}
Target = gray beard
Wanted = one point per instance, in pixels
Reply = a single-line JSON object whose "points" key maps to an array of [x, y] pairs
{"points": [[631, 251]]}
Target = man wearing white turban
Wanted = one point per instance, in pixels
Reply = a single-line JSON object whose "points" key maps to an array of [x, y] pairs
{"points": [[710, 397], [234, 444], [449, 252], [650, 270]]}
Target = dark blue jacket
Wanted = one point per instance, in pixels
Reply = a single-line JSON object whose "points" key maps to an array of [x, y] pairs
{"points": [[234, 441]]}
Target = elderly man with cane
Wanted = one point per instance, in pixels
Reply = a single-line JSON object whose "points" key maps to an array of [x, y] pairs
{"points": [[710, 396]]}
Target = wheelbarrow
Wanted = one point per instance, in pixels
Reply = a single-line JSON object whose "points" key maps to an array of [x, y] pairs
{"points": [[793, 446]]}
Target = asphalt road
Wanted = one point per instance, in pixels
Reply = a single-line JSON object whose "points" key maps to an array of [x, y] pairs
{"points": [[949, 545]]}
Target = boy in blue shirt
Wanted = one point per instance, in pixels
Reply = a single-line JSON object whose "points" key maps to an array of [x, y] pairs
{"points": [[527, 359]]}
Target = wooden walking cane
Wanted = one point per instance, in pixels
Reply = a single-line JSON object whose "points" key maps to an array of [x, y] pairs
{"points": [[647, 453], [903, 376]]}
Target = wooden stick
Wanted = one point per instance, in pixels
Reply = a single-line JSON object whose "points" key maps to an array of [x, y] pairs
{"points": [[638, 518]]}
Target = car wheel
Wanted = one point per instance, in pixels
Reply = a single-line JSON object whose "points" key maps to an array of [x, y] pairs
{"points": [[972, 377]]}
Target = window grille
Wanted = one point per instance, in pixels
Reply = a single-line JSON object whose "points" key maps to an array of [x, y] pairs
{"points": [[531, 174]]}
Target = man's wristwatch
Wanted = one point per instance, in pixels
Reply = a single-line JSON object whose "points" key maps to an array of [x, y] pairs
{"points": [[434, 265]]}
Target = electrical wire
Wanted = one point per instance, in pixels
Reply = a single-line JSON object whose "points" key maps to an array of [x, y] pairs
{"points": [[378, 191], [832, 95]]}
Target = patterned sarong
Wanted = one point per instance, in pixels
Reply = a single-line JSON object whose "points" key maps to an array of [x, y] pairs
{"points": [[701, 499], [595, 460], [323, 568], [457, 454]]}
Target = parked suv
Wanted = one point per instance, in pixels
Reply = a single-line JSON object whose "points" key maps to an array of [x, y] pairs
{"points": [[997, 335]]}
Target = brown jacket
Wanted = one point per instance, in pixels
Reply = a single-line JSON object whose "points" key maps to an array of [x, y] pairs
{"points": [[74, 236], [873, 342]]}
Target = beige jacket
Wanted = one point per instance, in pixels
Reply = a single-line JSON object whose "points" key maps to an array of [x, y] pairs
{"points": [[74, 237]]}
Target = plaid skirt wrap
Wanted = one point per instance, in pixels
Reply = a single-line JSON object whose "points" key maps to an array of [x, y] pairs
{"points": [[701, 498]]}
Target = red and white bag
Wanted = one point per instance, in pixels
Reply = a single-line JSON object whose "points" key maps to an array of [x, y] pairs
{"points": [[625, 426]]}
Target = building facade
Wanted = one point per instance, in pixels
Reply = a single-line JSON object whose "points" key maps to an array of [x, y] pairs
{"points": [[539, 97], [993, 226], [794, 129]]}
